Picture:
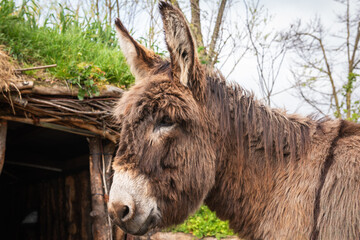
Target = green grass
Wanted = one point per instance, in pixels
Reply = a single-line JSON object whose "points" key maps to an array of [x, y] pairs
{"points": [[64, 41], [204, 223]]}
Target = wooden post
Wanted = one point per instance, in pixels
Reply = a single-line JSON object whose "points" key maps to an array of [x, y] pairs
{"points": [[3, 130], [109, 151], [100, 227]]}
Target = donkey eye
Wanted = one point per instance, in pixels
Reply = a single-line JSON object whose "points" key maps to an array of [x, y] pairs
{"points": [[165, 122], [164, 125]]}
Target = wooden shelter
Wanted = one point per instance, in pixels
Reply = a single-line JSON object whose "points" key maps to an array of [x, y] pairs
{"points": [[55, 158]]}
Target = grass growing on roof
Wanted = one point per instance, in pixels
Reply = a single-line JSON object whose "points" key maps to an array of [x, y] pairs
{"points": [[82, 50]]}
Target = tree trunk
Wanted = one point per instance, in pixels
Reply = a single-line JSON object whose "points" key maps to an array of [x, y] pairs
{"points": [[117, 8], [97, 10], [215, 34], [100, 227], [3, 130], [196, 25]]}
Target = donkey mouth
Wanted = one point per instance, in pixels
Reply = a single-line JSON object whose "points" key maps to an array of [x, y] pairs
{"points": [[134, 228]]}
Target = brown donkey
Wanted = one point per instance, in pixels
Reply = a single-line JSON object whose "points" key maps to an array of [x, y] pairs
{"points": [[188, 137]]}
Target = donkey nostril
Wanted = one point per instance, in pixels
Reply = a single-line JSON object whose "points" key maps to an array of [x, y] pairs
{"points": [[123, 208], [125, 211]]}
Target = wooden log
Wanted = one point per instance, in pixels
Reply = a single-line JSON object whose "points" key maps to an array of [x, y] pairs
{"points": [[3, 130], [54, 89], [93, 129], [100, 227], [20, 85], [64, 90], [28, 120]]}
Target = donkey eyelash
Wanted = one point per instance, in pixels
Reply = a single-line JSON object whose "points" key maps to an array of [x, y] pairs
{"points": [[163, 126], [164, 123], [160, 130]]}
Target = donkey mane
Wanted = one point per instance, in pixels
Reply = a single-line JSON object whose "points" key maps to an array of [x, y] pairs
{"points": [[253, 125]]}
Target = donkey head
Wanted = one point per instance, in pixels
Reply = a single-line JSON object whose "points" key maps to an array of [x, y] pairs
{"points": [[165, 163]]}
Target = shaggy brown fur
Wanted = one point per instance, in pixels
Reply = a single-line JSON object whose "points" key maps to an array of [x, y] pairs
{"points": [[272, 175]]}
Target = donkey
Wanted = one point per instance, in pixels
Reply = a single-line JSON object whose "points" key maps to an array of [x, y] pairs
{"points": [[188, 137]]}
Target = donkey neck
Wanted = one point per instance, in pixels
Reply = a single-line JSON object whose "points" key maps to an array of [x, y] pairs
{"points": [[251, 127], [252, 142]]}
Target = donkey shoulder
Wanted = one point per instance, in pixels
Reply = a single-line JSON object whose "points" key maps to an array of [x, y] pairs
{"points": [[347, 150], [340, 197]]}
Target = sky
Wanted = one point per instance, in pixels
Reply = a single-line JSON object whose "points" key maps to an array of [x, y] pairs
{"points": [[284, 13]]}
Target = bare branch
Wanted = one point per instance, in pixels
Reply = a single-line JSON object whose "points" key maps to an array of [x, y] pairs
{"points": [[299, 34], [311, 103], [269, 52], [356, 45]]}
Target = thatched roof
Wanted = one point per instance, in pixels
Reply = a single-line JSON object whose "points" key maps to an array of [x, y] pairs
{"points": [[54, 104]]}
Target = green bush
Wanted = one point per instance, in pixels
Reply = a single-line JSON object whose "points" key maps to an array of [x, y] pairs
{"points": [[85, 77], [204, 223]]}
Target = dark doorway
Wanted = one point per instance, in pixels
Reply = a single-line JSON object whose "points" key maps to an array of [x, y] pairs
{"points": [[45, 187]]}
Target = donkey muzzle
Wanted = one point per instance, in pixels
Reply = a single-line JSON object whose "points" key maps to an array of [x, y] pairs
{"points": [[123, 216], [130, 206]]}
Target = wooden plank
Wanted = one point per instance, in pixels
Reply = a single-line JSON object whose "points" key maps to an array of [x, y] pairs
{"points": [[47, 123], [87, 130], [77, 131], [3, 130], [31, 165], [100, 228], [70, 206], [85, 207]]}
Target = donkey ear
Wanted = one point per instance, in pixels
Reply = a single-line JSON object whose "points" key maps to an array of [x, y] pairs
{"points": [[140, 59], [180, 44]]}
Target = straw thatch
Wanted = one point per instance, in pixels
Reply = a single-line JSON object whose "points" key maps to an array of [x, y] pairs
{"points": [[54, 104]]}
